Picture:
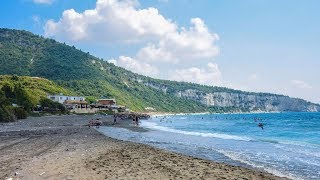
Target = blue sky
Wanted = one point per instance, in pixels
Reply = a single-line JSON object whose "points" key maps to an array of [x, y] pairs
{"points": [[253, 45]]}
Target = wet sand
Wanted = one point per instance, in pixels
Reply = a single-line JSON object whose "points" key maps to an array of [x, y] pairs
{"points": [[61, 147]]}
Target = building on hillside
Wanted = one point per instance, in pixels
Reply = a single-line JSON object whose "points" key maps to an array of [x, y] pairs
{"points": [[105, 103], [62, 98], [71, 102]]}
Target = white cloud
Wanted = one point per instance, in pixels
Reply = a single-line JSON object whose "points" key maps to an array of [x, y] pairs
{"points": [[43, 1], [120, 21], [113, 61], [136, 66], [195, 43], [111, 21], [211, 75], [151, 53], [301, 84]]}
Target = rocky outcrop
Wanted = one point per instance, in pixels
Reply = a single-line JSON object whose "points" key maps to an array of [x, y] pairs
{"points": [[243, 100], [253, 102], [156, 86]]}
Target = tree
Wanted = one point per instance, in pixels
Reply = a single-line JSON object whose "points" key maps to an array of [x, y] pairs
{"points": [[5, 114], [3, 100], [22, 97], [51, 106], [8, 91]]}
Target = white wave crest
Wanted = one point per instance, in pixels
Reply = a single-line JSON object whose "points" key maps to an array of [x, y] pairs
{"points": [[152, 125]]}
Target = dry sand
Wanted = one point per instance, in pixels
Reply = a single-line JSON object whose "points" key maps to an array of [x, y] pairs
{"points": [[61, 147]]}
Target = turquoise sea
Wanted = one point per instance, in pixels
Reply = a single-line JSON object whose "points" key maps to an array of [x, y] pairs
{"points": [[288, 145]]}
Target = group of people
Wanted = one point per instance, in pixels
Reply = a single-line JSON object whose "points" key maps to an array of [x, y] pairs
{"points": [[95, 122], [134, 118]]}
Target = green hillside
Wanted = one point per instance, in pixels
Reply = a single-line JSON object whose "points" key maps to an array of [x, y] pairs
{"points": [[26, 93], [36, 88], [25, 54]]}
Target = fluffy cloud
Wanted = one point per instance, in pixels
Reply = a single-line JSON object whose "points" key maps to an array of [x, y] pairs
{"points": [[43, 1], [120, 21], [196, 43], [164, 46], [179, 48], [136, 66], [111, 21], [210, 75], [301, 84]]}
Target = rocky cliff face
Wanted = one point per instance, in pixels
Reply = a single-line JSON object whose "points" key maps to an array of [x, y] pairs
{"points": [[250, 102], [155, 86], [244, 100]]}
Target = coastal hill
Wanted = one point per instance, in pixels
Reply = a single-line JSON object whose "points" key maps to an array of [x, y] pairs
{"points": [[20, 94], [25, 54], [34, 87]]}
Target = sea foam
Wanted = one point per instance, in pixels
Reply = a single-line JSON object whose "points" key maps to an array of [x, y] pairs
{"points": [[152, 125]]}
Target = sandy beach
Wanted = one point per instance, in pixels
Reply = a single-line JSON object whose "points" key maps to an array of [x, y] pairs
{"points": [[62, 147]]}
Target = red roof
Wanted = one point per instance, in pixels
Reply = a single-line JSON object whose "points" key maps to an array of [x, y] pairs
{"points": [[106, 101]]}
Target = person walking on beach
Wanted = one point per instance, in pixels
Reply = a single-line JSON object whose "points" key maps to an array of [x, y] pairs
{"points": [[137, 120], [114, 119]]}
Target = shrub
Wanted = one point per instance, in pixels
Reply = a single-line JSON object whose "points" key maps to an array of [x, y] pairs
{"points": [[7, 114], [20, 113], [51, 106]]}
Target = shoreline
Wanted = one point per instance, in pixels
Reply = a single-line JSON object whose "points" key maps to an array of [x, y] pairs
{"points": [[160, 114], [233, 162], [61, 147]]}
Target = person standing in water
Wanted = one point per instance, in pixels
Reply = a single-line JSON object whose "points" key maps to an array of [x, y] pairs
{"points": [[260, 125], [134, 120]]}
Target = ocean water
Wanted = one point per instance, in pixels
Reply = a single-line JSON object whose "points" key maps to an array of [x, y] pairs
{"points": [[288, 145]]}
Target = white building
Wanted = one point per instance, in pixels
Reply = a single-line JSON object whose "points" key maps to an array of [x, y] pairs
{"points": [[62, 98]]}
